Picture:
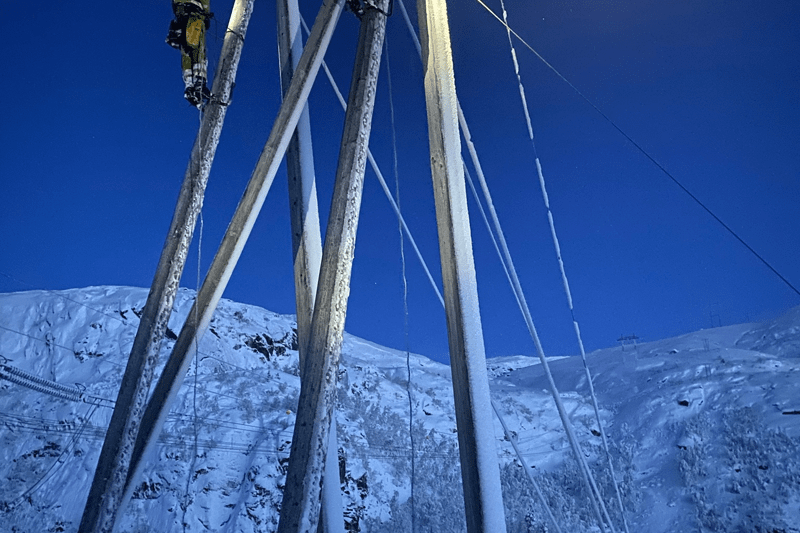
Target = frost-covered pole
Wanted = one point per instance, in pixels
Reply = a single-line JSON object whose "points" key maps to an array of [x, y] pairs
{"points": [[106, 493], [235, 237], [306, 242], [301, 496], [304, 210], [479, 469]]}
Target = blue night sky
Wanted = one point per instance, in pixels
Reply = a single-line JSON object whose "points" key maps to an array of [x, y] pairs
{"points": [[96, 136]]}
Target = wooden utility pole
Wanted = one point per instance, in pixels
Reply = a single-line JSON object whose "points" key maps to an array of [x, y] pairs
{"points": [[106, 493], [303, 206], [479, 469], [301, 496], [235, 237], [306, 243]]}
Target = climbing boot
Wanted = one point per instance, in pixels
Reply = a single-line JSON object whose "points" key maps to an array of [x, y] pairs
{"points": [[197, 94]]}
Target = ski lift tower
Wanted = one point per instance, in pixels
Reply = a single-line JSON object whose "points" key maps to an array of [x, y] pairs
{"points": [[629, 340]]}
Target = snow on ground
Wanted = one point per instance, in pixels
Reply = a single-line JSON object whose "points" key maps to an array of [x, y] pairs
{"points": [[704, 428]]}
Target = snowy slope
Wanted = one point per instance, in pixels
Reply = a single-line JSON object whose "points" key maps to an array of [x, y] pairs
{"points": [[705, 428]]}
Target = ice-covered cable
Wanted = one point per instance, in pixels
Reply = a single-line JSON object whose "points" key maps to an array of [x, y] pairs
{"points": [[73, 391], [44, 386], [38, 387], [560, 260], [597, 502], [402, 221], [482, 211], [513, 440], [195, 431], [576, 327], [645, 153], [497, 412]]}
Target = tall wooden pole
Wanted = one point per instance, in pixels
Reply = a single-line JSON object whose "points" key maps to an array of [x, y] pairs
{"points": [[301, 496], [235, 237], [106, 493], [306, 243], [304, 209], [479, 469]]}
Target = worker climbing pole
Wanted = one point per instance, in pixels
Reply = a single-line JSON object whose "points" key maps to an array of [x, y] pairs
{"points": [[187, 33], [109, 493]]}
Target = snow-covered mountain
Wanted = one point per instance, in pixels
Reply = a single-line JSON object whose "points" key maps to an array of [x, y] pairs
{"points": [[704, 428]]}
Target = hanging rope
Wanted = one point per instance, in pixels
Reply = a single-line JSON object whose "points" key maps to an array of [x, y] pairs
{"points": [[187, 500], [645, 153], [405, 285], [560, 260]]}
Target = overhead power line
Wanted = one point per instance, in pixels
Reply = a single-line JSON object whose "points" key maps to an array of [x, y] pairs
{"points": [[644, 152]]}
